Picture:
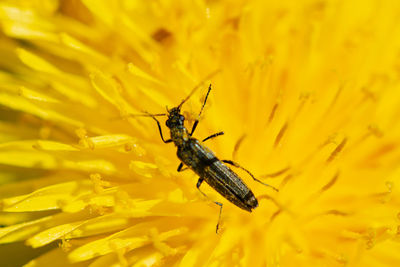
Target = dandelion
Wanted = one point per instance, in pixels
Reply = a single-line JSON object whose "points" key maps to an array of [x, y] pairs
{"points": [[307, 95]]}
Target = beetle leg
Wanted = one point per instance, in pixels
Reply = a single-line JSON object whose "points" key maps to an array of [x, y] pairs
{"points": [[216, 202], [219, 215], [252, 176], [180, 168], [159, 129], [212, 136], [197, 120]]}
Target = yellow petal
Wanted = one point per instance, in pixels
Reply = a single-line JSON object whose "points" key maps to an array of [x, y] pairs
{"points": [[53, 146], [101, 9], [131, 238], [105, 141], [106, 87], [70, 41], [51, 197], [22, 104], [52, 234], [20, 231], [36, 62]]}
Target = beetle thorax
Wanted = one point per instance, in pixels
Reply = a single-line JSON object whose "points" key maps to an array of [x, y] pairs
{"points": [[179, 135]]}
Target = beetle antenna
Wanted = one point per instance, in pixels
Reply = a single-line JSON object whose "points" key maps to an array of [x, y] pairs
{"points": [[198, 85], [145, 114]]}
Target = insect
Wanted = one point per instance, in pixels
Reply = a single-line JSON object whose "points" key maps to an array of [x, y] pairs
{"points": [[200, 159]]}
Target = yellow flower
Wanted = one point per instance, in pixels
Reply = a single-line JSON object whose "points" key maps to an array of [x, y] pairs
{"points": [[307, 93]]}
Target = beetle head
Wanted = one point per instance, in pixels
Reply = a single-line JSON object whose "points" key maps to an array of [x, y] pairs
{"points": [[175, 118]]}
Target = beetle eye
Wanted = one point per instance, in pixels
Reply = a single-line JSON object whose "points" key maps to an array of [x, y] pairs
{"points": [[167, 123]]}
